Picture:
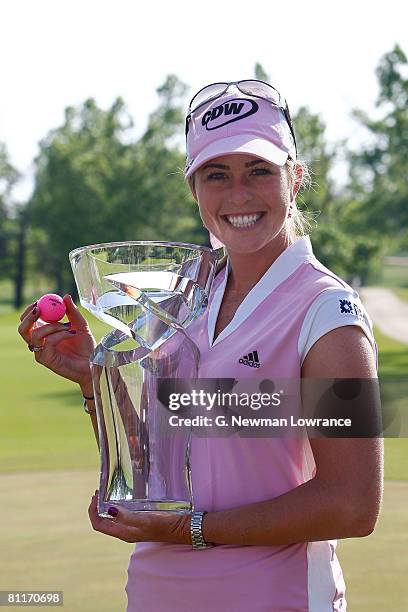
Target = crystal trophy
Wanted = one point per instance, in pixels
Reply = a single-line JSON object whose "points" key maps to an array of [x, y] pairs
{"points": [[151, 293]]}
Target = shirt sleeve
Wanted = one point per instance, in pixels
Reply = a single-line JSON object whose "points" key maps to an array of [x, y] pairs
{"points": [[334, 308]]}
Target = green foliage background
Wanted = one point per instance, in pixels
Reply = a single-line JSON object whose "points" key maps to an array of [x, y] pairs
{"points": [[96, 182]]}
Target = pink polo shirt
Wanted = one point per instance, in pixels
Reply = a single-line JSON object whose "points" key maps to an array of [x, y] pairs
{"points": [[296, 302]]}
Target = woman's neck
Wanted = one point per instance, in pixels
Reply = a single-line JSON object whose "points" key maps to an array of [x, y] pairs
{"points": [[248, 268]]}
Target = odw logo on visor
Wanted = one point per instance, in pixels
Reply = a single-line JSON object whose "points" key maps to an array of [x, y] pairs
{"points": [[230, 111]]}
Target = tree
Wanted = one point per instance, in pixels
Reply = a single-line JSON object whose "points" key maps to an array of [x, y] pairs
{"points": [[378, 172], [13, 229], [334, 241], [8, 178], [169, 207], [166, 123], [260, 73], [320, 157], [70, 201], [95, 183]]}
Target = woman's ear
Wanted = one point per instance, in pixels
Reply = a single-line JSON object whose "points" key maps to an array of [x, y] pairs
{"points": [[298, 171], [295, 176]]}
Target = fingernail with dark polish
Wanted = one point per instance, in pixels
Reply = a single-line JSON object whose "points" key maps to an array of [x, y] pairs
{"points": [[96, 492], [67, 324], [71, 331], [113, 511], [34, 311]]}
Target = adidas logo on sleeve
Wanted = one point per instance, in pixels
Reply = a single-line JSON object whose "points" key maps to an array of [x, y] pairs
{"points": [[251, 360]]}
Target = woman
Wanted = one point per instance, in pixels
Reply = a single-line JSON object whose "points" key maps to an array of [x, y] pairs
{"points": [[269, 510]]}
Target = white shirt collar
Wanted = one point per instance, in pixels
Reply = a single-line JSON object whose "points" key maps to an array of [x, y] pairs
{"points": [[287, 262]]}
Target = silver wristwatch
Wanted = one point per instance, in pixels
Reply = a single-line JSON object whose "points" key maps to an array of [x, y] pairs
{"points": [[196, 531]]}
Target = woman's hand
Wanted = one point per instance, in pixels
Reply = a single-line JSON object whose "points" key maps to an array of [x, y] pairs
{"points": [[65, 348], [141, 526]]}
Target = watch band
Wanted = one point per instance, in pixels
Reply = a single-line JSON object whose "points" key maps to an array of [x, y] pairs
{"points": [[85, 405], [196, 530]]}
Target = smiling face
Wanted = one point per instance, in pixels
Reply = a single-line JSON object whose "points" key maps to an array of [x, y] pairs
{"points": [[245, 202]]}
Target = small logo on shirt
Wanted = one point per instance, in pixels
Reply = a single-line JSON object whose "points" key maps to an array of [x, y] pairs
{"points": [[251, 360], [346, 307]]}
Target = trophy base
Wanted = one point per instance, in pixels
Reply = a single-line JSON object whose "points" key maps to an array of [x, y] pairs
{"points": [[146, 505]]}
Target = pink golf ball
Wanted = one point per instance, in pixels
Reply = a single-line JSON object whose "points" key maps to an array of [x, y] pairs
{"points": [[51, 307]]}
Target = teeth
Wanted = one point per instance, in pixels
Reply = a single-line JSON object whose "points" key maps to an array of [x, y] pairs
{"points": [[243, 220]]}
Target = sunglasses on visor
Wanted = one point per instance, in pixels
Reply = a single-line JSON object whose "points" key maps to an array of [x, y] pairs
{"points": [[250, 87]]}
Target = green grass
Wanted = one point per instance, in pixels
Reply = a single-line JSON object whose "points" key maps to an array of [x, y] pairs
{"points": [[42, 423], [375, 568], [401, 292], [393, 356], [393, 276], [393, 366], [51, 545], [44, 427], [49, 469]]}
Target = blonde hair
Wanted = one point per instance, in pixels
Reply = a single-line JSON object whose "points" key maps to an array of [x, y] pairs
{"points": [[299, 223]]}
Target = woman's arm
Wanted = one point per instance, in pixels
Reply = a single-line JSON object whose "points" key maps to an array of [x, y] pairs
{"points": [[88, 391], [342, 500], [65, 347]]}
